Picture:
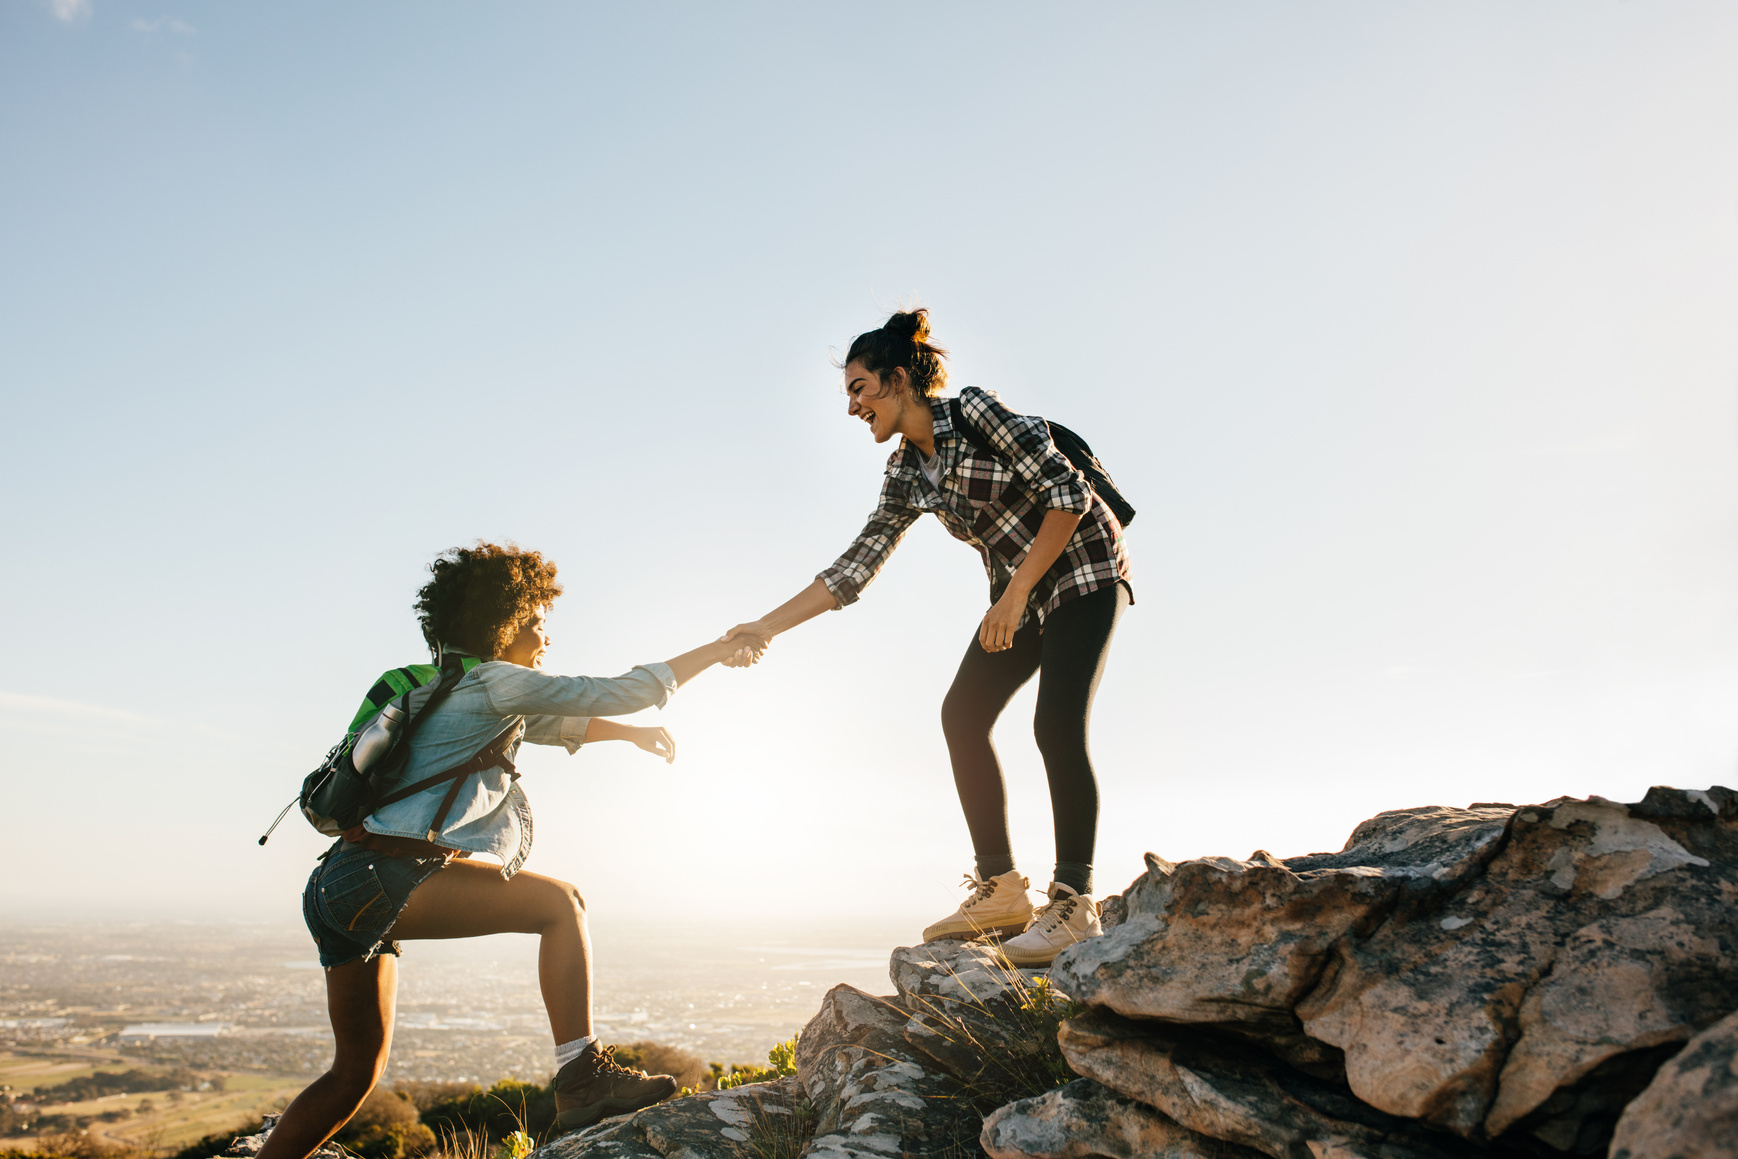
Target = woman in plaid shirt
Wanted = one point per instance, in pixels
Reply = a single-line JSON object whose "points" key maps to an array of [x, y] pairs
{"points": [[1059, 581]]}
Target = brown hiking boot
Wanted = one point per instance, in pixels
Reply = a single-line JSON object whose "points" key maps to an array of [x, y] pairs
{"points": [[595, 1086]]}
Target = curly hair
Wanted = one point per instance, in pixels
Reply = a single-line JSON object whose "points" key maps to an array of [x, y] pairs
{"points": [[482, 595]]}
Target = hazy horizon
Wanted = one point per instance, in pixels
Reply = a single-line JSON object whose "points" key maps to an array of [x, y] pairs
{"points": [[1408, 328]]}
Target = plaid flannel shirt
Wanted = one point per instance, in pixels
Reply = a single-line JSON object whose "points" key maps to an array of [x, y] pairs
{"points": [[996, 503]]}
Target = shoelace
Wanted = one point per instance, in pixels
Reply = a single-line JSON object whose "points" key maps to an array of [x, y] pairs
{"points": [[980, 890], [607, 1064], [1055, 913]]}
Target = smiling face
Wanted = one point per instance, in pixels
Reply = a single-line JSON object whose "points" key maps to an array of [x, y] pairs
{"points": [[879, 400], [526, 649]]}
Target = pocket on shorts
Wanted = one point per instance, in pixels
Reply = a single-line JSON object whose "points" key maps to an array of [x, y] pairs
{"points": [[353, 899]]}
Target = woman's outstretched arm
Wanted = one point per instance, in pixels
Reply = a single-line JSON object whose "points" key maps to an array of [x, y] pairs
{"points": [[798, 609], [690, 664]]}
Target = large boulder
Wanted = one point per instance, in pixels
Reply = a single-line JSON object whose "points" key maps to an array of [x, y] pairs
{"points": [[873, 1093], [955, 972], [1084, 1120], [1535, 999], [742, 1123], [1240, 943], [1225, 1090], [983, 1021], [1495, 973], [1690, 1110]]}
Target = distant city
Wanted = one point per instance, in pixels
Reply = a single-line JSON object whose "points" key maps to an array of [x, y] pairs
{"points": [[249, 1000]]}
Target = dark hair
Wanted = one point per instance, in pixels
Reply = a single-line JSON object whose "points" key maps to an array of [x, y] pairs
{"points": [[903, 340], [481, 596]]}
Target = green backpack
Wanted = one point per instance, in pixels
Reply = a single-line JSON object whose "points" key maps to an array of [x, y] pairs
{"points": [[360, 773]]}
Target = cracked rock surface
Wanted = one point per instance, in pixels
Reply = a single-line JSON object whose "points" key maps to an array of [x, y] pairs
{"points": [[1533, 981], [1690, 1110], [1083, 1120], [1502, 976], [732, 1124]]}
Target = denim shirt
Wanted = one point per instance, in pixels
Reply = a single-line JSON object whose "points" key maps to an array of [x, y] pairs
{"points": [[490, 814]]}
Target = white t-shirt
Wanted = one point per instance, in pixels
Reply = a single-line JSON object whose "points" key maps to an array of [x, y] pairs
{"points": [[931, 468]]}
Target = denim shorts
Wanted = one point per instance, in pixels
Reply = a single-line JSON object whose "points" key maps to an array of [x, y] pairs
{"points": [[353, 898]]}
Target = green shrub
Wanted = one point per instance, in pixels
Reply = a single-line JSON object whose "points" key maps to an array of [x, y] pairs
{"points": [[494, 1114], [781, 1063]]}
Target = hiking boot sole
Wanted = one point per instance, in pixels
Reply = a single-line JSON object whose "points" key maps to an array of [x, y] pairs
{"points": [[1031, 958], [965, 933], [575, 1118]]}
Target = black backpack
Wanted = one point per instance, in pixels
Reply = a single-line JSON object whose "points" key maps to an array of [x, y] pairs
{"points": [[360, 774], [1073, 448]]}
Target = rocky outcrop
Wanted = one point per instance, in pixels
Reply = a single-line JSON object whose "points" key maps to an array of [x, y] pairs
{"points": [[247, 1146], [1488, 976], [1548, 980], [743, 1123], [1084, 1120]]}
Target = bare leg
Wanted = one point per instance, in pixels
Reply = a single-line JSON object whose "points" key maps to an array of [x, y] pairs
{"points": [[360, 998], [467, 901]]}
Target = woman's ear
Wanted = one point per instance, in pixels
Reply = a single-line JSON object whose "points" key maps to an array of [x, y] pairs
{"points": [[898, 381]]}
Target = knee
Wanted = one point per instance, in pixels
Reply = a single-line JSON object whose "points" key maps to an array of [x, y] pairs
{"points": [[356, 1071], [1059, 741], [962, 720], [564, 901]]}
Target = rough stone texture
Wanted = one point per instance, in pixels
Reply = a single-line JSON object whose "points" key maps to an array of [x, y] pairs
{"points": [[954, 972], [959, 995], [1596, 932], [247, 1146], [1496, 972], [1455, 982], [1241, 942], [1231, 1092], [714, 1125], [872, 1091], [1084, 1120], [1690, 1110]]}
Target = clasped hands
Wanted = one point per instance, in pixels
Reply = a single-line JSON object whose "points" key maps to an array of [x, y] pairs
{"points": [[752, 640]]}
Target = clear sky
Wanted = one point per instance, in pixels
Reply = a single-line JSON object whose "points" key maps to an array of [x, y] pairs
{"points": [[1408, 327]]}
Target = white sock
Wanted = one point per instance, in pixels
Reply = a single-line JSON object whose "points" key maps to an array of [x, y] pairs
{"points": [[566, 1052]]}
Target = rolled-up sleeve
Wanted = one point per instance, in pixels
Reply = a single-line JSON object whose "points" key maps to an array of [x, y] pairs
{"points": [[863, 560], [514, 691], [567, 731], [1024, 440]]}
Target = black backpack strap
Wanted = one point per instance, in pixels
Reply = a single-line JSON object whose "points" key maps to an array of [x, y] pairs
{"points": [[966, 430], [1073, 448], [491, 756]]}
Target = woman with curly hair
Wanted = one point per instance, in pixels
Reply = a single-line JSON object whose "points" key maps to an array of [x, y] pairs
{"points": [[407, 871], [1059, 581]]}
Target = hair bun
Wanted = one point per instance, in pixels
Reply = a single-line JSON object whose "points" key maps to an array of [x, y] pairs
{"points": [[902, 341], [911, 325]]}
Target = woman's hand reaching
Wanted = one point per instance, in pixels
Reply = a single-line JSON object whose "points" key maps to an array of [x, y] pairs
{"points": [[656, 741]]}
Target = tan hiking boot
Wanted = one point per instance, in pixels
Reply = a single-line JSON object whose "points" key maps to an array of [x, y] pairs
{"points": [[595, 1086], [1067, 918], [998, 906]]}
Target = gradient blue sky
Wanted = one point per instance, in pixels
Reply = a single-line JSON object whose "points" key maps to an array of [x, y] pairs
{"points": [[1408, 327]]}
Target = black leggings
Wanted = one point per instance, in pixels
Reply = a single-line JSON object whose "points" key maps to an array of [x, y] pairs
{"points": [[1070, 652]]}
